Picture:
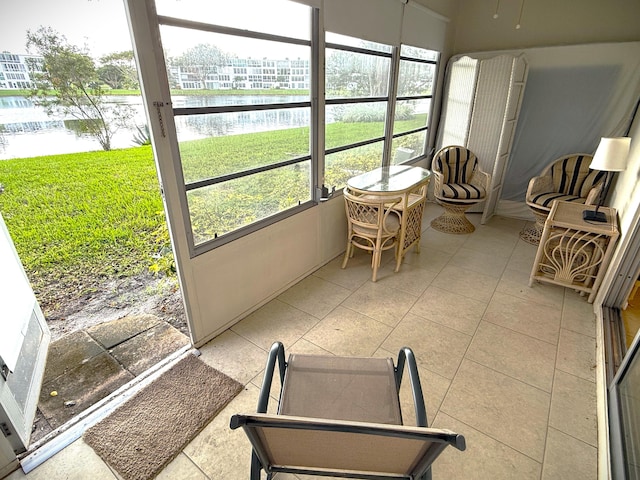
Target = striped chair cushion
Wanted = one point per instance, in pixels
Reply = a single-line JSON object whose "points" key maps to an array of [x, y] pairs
{"points": [[456, 164], [462, 191], [546, 199], [572, 176]]}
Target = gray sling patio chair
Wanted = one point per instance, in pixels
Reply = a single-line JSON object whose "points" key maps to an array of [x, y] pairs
{"points": [[340, 416]]}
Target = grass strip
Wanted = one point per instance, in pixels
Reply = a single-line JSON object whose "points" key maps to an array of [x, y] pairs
{"points": [[81, 215]]}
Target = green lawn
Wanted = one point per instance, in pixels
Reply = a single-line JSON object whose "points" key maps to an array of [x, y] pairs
{"points": [[83, 216], [78, 218]]}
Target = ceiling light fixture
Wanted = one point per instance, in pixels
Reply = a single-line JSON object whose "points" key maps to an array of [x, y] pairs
{"points": [[520, 16]]}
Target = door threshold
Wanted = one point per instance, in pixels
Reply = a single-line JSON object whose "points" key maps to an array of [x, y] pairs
{"points": [[63, 436]]}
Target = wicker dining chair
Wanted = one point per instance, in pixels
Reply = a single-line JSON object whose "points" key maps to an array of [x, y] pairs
{"points": [[373, 225]]}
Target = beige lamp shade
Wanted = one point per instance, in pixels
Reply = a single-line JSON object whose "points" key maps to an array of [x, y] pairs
{"points": [[611, 155]]}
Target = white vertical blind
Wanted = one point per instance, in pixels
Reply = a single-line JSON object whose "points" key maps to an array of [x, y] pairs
{"points": [[423, 28], [492, 92], [458, 104], [373, 20]]}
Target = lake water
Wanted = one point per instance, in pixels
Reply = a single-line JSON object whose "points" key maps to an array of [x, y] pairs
{"points": [[27, 131]]}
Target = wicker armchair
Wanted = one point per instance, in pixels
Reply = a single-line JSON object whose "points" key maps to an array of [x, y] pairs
{"points": [[459, 184], [568, 179]]}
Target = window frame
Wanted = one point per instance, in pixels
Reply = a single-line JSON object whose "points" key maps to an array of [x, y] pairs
{"points": [[392, 100], [317, 104], [185, 187], [355, 100], [426, 128]]}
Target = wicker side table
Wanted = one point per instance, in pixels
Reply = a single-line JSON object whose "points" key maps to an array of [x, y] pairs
{"points": [[574, 253]]}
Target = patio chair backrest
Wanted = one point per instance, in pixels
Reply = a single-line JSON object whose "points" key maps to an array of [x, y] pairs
{"points": [[314, 446], [456, 164], [572, 176]]}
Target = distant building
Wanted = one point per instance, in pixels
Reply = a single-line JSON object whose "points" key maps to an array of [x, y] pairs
{"points": [[237, 73], [243, 73], [15, 69]]}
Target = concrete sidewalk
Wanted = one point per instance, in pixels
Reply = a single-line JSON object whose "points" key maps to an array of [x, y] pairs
{"points": [[88, 365]]}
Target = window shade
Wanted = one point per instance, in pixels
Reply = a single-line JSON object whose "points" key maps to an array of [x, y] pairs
{"points": [[423, 28], [373, 20], [311, 3]]}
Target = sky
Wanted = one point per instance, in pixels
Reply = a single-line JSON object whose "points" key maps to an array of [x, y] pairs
{"points": [[100, 24]]}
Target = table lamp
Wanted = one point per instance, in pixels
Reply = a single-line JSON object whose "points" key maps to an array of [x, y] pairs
{"points": [[611, 156]]}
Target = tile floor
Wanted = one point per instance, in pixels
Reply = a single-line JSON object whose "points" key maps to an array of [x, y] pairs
{"points": [[509, 366]]}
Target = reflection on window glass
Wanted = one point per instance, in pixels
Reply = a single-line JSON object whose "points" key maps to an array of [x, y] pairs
{"points": [[341, 166], [279, 17], [407, 147], [629, 391], [20, 382], [418, 53], [411, 114], [415, 78], [353, 123], [351, 74], [331, 37], [219, 209], [210, 145]]}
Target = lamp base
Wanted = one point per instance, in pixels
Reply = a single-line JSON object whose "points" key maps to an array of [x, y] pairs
{"points": [[593, 216]]}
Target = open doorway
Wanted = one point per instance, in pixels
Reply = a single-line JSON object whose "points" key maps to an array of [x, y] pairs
{"points": [[106, 324]]}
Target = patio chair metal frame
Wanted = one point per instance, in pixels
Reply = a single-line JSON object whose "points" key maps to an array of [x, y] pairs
{"points": [[416, 446]]}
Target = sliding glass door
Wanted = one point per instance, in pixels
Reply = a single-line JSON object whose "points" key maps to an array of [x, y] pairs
{"points": [[624, 394]]}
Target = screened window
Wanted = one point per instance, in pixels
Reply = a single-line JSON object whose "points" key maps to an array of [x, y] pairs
{"points": [[357, 79], [243, 137], [416, 77], [242, 81]]}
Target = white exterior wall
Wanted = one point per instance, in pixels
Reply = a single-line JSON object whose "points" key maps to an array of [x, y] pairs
{"points": [[14, 71]]}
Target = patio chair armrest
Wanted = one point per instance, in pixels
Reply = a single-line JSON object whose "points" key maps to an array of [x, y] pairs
{"points": [[275, 354], [539, 184], [406, 356], [482, 179], [438, 180]]}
